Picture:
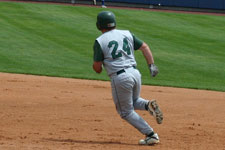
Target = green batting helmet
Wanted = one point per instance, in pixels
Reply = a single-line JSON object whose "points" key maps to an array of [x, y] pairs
{"points": [[106, 20]]}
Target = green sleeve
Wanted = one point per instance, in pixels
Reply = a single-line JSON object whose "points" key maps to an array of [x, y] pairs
{"points": [[98, 54], [137, 42]]}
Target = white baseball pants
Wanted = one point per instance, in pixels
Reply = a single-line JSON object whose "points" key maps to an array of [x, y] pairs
{"points": [[126, 88]]}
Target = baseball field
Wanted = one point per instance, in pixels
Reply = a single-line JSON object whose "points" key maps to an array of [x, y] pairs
{"points": [[51, 99]]}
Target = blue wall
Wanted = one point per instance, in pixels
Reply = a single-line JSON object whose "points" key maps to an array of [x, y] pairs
{"points": [[215, 4], [212, 4]]}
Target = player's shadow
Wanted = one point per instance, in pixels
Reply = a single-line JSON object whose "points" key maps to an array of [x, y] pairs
{"points": [[88, 142]]}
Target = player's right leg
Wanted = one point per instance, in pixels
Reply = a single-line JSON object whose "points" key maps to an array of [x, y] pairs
{"points": [[141, 104], [122, 91], [153, 109]]}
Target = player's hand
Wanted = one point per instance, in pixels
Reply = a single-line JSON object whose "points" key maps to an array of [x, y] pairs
{"points": [[153, 70]]}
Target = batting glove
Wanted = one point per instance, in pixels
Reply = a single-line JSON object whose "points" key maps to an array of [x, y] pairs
{"points": [[153, 70]]}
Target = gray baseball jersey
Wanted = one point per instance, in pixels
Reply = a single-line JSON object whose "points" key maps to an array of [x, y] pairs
{"points": [[115, 49]]}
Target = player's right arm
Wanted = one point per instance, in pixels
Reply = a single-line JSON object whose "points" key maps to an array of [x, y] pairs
{"points": [[149, 58], [139, 44], [98, 57], [147, 53]]}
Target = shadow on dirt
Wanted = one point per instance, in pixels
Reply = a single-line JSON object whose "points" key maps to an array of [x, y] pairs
{"points": [[88, 142]]}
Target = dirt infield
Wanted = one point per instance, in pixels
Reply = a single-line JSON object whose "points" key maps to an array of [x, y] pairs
{"points": [[46, 113]]}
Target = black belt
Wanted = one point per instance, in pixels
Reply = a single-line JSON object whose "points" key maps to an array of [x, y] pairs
{"points": [[122, 71]]}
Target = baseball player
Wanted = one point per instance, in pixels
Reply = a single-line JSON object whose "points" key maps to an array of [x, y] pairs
{"points": [[103, 3], [94, 2], [114, 49]]}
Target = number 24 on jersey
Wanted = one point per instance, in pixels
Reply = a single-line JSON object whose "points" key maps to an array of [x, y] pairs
{"points": [[126, 48]]}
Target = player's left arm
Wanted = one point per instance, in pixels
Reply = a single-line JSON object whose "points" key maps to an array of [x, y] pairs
{"points": [[98, 57], [97, 66]]}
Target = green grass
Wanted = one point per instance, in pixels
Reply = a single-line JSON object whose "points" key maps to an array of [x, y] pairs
{"points": [[57, 40]]}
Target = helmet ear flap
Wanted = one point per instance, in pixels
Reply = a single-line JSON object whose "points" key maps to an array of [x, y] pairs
{"points": [[98, 25]]}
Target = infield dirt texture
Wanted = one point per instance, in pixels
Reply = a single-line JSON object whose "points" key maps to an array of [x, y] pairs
{"points": [[50, 113], [47, 113]]}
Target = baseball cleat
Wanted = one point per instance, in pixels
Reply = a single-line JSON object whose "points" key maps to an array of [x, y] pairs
{"points": [[153, 109], [103, 6], [150, 140]]}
